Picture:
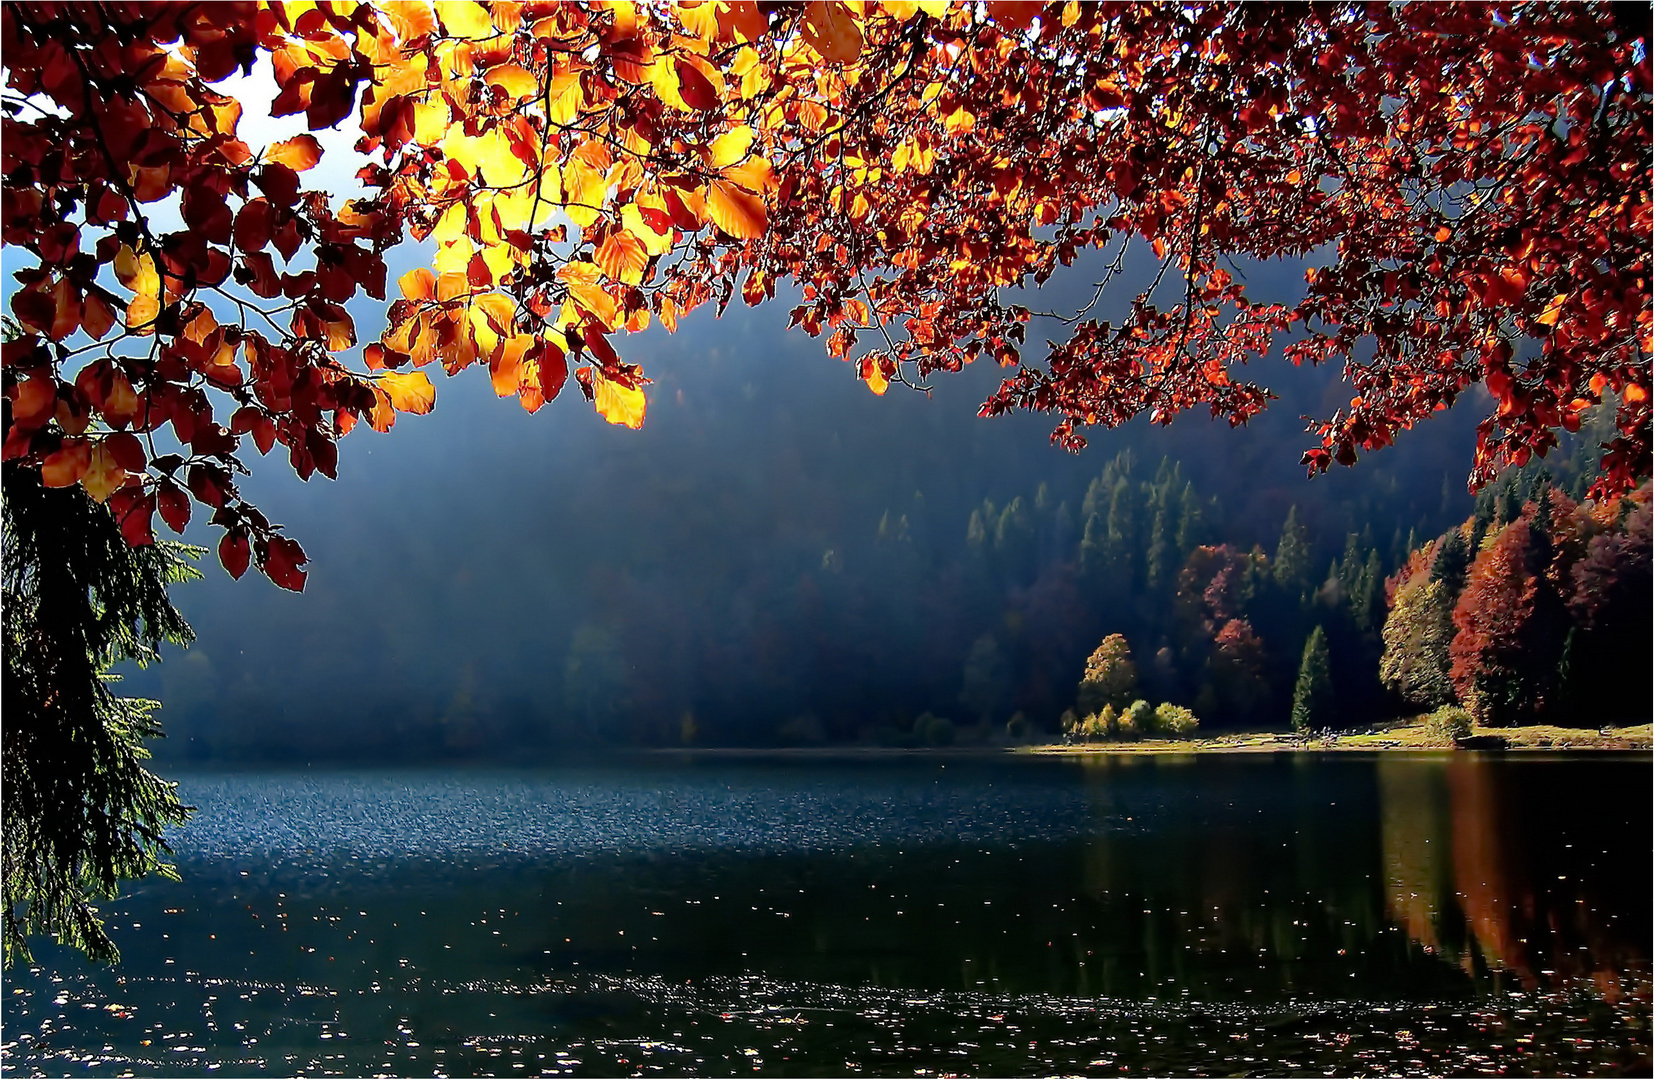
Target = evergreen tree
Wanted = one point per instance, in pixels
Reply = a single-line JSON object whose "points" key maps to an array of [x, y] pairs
{"points": [[986, 679], [81, 813], [1121, 536], [1192, 530], [1158, 552], [1452, 560], [1313, 691], [1292, 565]]}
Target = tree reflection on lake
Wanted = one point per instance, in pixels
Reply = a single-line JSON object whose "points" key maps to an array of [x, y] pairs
{"points": [[1128, 913]]}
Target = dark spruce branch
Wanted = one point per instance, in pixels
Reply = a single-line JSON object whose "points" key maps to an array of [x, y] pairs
{"points": [[81, 813]]}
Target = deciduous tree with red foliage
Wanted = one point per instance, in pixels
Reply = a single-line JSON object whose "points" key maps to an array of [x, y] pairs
{"points": [[1471, 181]]}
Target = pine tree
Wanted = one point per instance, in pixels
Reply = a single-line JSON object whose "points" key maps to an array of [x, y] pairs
{"points": [[1121, 536], [1313, 691], [1452, 560], [1292, 564], [1158, 552]]}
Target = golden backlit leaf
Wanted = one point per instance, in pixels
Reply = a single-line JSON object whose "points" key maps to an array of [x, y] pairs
{"points": [[465, 18], [622, 257], [504, 365], [730, 147], [737, 212], [409, 393], [564, 98], [1554, 310], [616, 402], [518, 83], [874, 376], [418, 284], [298, 153], [645, 226], [582, 278]]}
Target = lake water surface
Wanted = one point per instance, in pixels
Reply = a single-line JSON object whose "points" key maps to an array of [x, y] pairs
{"points": [[1292, 913]]}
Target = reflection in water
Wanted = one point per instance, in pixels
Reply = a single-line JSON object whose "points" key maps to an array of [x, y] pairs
{"points": [[1477, 866], [1282, 914]]}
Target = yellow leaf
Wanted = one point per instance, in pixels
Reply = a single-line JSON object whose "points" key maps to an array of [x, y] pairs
{"points": [[137, 272], [499, 309], [487, 156], [1553, 312], [451, 286], [621, 257], [102, 475], [451, 225], [454, 257], [501, 259], [518, 83], [465, 18], [616, 402], [655, 243], [410, 393], [564, 98], [739, 213], [418, 284], [432, 118], [730, 147], [141, 314], [700, 18]]}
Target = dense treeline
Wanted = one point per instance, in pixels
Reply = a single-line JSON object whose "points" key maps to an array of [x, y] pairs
{"points": [[998, 618], [1535, 609]]}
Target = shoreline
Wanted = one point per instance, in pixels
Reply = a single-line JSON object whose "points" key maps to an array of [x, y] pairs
{"points": [[1540, 739]]}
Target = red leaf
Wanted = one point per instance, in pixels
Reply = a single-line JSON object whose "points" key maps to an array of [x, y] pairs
{"points": [[234, 553], [174, 506], [282, 562]]}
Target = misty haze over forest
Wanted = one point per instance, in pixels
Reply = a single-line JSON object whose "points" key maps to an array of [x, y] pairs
{"points": [[725, 563]]}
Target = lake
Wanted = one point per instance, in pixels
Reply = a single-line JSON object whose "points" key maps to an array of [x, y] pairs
{"points": [[924, 915]]}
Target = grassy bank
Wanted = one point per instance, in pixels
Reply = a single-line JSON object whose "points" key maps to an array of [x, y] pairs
{"points": [[1402, 736]]}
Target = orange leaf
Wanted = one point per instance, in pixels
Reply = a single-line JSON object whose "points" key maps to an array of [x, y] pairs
{"points": [[68, 465], [518, 83], [104, 475], [504, 366], [410, 393], [738, 212], [622, 257], [418, 284], [874, 376], [298, 153], [832, 31]]}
